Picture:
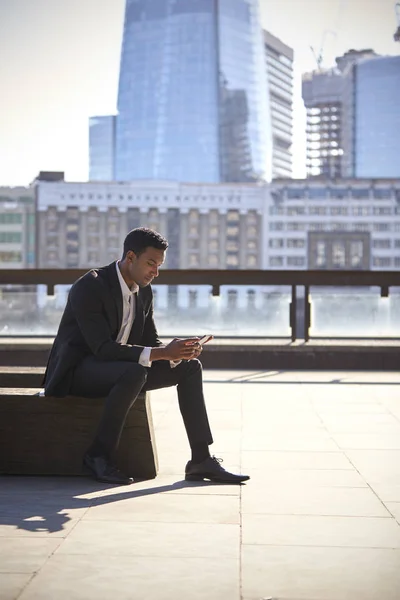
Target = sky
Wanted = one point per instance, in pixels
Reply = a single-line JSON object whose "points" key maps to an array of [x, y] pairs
{"points": [[59, 64]]}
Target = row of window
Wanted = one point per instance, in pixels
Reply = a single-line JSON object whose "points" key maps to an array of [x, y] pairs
{"points": [[357, 193], [11, 257], [10, 237], [10, 218], [296, 226], [299, 261], [359, 211]]}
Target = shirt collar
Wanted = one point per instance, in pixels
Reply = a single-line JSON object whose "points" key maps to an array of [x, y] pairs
{"points": [[126, 292]]}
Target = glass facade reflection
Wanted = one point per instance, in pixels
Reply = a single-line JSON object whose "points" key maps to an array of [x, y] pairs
{"points": [[101, 148], [377, 124], [192, 102]]}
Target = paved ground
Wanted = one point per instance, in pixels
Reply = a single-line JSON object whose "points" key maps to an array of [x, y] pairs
{"points": [[319, 519]]}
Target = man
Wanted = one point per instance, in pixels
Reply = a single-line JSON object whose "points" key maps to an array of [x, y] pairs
{"points": [[107, 345]]}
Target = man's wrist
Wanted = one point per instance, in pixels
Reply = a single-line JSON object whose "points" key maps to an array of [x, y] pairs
{"points": [[158, 353]]}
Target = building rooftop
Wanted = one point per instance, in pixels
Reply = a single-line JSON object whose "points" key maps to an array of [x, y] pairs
{"points": [[319, 519]]}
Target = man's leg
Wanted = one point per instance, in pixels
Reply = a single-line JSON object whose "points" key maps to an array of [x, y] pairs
{"points": [[120, 383], [189, 380]]}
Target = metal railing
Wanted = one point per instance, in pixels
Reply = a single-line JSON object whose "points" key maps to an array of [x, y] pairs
{"points": [[299, 308]]}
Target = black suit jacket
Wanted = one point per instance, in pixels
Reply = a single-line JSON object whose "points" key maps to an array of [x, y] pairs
{"points": [[90, 325]]}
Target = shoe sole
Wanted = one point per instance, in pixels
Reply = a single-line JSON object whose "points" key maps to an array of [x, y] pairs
{"points": [[214, 479]]}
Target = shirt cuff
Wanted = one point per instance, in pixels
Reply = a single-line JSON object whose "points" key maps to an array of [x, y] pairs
{"points": [[144, 358], [174, 363]]}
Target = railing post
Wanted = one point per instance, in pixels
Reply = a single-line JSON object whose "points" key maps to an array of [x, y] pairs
{"points": [[292, 314], [307, 313]]}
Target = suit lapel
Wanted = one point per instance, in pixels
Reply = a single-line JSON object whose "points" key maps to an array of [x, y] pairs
{"points": [[116, 292], [136, 333]]}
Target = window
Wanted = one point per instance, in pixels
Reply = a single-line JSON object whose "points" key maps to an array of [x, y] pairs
{"points": [[296, 193], [317, 210], [295, 261], [252, 232], [381, 261], [276, 261], [397, 243], [296, 210], [232, 260], [381, 226], [397, 262], [213, 231], [232, 299], [232, 230], [320, 260], [382, 210], [193, 260], [295, 243], [356, 254], [232, 216], [381, 194], [193, 243], [276, 226], [232, 246], [317, 226], [10, 237], [296, 226], [338, 210], [361, 211], [11, 218], [251, 245], [361, 227], [10, 257], [381, 243], [252, 261], [276, 243], [360, 194], [276, 210], [338, 254], [252, 218]]}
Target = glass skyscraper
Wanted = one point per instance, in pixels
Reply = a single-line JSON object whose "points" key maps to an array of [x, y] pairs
{"points": [[377, 124], [101, 148], [193, 96]]}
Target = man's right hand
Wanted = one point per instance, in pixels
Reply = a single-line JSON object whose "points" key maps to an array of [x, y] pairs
{"points": [[177, 349]]}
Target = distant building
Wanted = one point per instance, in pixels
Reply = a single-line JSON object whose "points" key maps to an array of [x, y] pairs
{"points": [[279, 62], [17, 228], [372, 117], [192, 96], [101, 148], [334, 224], [353, 117]]}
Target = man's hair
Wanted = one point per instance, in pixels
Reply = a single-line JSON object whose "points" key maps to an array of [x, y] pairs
{"points": [[141, 238]]}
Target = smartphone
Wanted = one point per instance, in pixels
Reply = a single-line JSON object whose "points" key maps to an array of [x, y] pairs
{"points": [[205, 339]]}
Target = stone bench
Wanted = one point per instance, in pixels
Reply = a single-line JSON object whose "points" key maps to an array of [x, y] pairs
{"points": [[42, 435]]}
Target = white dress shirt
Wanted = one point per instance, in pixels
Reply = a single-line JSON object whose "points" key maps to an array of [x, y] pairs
{"points": [[129, 298]]}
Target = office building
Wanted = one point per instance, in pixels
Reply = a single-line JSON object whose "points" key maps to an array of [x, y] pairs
{"points": [[371, 110], [17, 228], [334, 224], [192, 96], [101, 148], [279, 63]]}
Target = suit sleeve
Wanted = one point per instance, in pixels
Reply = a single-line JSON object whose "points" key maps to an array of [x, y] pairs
{"points": [[88, 307], [150, 334]]}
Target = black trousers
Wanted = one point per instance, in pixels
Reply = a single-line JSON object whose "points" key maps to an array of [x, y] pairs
{"points": [[121, 382]]}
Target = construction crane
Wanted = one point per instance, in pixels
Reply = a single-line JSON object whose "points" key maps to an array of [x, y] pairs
{"points": [[397, 33]]}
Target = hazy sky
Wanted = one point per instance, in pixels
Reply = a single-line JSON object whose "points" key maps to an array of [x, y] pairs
{"points": [[59, 64]]}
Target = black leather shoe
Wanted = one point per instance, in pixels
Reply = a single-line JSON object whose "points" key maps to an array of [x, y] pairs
{"points": [[211, 469], [105, 471]]}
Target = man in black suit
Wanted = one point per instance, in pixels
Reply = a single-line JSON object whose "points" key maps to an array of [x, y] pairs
{"points": [[107, 345]]}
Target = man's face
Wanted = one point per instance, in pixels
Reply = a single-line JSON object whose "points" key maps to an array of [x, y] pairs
{"points": [[144, 268]]}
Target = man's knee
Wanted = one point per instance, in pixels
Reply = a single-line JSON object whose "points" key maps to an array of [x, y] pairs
{"points": [[135, 373], [193, 366]]}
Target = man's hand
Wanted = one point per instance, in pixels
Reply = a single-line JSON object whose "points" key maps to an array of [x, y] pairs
{"points": [[185, 349], [178, 349]]}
